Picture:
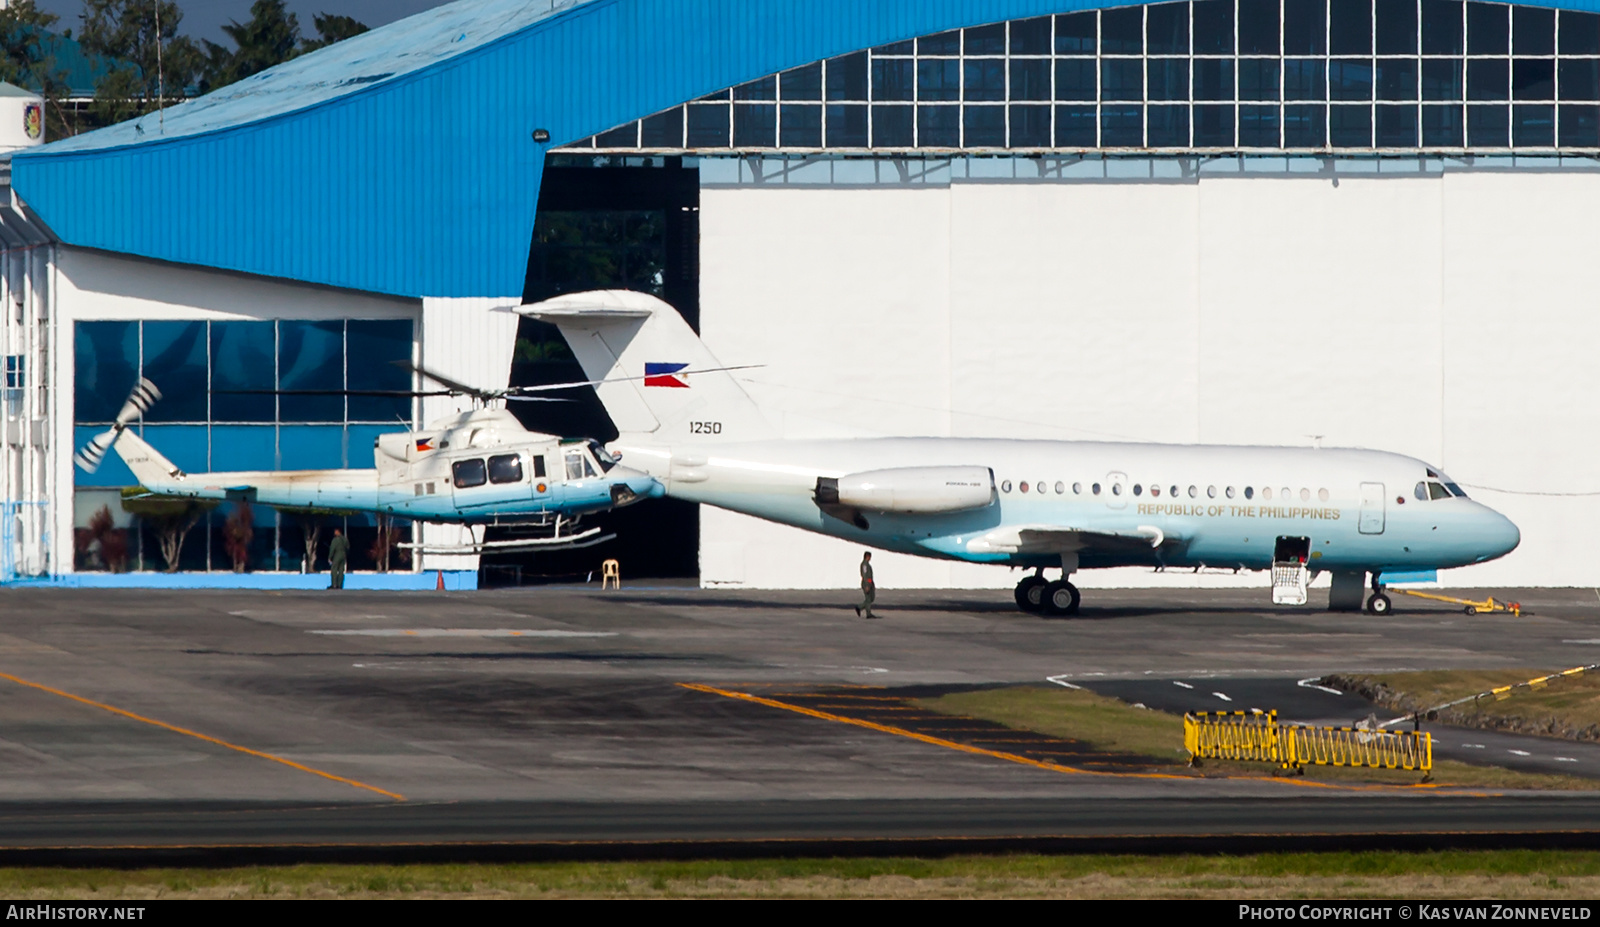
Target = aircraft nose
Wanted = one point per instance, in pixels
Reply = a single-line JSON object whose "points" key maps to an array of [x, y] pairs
{"points": [[1500, 535]]}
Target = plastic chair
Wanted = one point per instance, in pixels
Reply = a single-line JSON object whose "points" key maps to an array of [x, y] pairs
{"points": [[610, 572]]}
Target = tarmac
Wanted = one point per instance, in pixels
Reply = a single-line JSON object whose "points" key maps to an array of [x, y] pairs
{"points": [[536, 722]]}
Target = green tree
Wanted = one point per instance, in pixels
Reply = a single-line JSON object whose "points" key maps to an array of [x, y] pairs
{"points": [[170, 517], [29, 60], [330, 29], [270, 37], [154, 65]]}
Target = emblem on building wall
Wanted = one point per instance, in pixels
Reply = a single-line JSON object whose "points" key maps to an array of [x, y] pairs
{"points": [[33, 119]]}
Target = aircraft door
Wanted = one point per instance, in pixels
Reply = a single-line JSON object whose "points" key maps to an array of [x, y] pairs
{"points": [[1117, 490], [1371, 517]]}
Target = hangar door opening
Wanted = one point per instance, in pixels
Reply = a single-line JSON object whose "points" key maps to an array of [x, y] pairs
{"points": [[603, 224]]}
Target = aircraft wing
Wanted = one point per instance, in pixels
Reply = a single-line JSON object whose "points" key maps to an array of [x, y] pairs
{"points": [[1064, 539]]}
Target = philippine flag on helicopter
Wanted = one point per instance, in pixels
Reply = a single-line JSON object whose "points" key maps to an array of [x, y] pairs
{"points": [[665, 375]]}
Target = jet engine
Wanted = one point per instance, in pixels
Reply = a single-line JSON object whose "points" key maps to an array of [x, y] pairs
{"points": [[910, 490]]}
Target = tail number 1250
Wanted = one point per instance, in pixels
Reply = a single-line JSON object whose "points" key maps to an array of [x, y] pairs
{"points": [[705, 428]]}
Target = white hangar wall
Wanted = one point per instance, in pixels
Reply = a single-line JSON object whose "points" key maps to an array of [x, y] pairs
{"points": [[1437, 311]]}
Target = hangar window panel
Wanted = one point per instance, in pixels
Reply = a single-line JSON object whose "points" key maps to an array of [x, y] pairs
{"points": [[1258, 126], [802, 83], [1213, 27], [1076, 34], [1213, 79], [1580, 79], [243, 447], [904, 49], [1396, 126], [940, 81], [1121, 127], [1488, 29], [376, 344], [621, 137], [763, 89], [1395, 28], [1121, 79], [755, 125], [1533, 31], [1305, 79], [1305, 27], [1350, 126], [940, 126], [985, 40], [708, 125], [1076, 79], [1442, 27], [1489, 126], [801, 126], [1442, 127], [893, 80], [1258, 78], [1213, 126], [984, 127], [1258, 27], [174, 355], [1122, 31], [663, 130], [892, 127], [1350, 27], [1580, 126], [1533, 79], [1030, 79], [1579, 33], [986, 80], [1488, 79], [244, 358], [1031, 36], [1168, 79], [1077, 126], [1350, 79], [106, 361], [949, 43], [187, 446], [1167, 28], [311, 360], [846, 127], [1397, 79], [1168, 126], [1030, 126], [1442, 79], [311, 447], [846, 77], [1533, 125]]}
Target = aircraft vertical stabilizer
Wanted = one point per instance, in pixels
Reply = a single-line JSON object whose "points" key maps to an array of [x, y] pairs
{"points": [[663, 385]]}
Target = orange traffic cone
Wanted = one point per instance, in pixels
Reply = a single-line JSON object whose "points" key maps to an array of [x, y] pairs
{"points": [[440, 587]]}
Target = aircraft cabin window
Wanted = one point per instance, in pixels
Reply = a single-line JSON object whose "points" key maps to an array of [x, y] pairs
{"points": [[1155, 490], [469, 473], [1194, 492], [538, 465], [1228, 492], [1211, 492], [1060, 487], [1435, 491], [1006, 486], [1249, 492], [1285, 494], [1305, 494], [1421, 492], [1138, 490], [1095, 489], [1116, 489], [1266, 493], [1023, 486], [1322, 495], [505, 468], [1077, 489], [1173, 492]]}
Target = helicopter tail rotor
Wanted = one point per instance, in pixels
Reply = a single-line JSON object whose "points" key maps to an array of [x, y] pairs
{"points": [[92, 454]]}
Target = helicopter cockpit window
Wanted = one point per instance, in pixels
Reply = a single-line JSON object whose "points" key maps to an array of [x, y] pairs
{"points": [[469, 473], [578, 466], [602, 456], [506, 468]]}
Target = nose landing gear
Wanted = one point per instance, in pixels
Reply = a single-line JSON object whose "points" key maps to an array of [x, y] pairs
{"points": [[1379, 604]]}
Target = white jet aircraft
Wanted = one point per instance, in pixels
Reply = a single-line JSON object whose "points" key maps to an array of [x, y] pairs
{"points": [[1021, 503]]}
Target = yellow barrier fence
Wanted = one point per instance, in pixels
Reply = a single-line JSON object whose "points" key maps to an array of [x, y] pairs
{"points": [[1252, 736]]}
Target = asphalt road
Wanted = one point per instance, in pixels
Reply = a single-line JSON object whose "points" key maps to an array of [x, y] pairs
{"points": [[558, 721]]}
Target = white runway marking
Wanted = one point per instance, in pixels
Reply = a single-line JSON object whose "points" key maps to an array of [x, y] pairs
{"points": [[1473, 746], [1519, 752], [1312, 684], [1221, 696], [1566, 759], [461, 632], [1061, 681], [1183, 684], [1587, 640]]}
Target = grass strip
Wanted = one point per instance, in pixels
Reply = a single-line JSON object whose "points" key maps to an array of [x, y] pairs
{"points": [[1113, 725], [1567, 708], [1506, 874]]}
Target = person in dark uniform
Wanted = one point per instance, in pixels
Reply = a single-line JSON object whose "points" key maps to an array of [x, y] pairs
{"points": [[869, 591], [338, 556]]}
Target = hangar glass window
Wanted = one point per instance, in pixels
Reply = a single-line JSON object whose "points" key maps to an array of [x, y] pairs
{"points": [[1207, 75], [289, 394]]}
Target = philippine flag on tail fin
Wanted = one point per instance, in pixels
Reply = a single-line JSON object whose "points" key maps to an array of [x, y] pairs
{"points": [[665, 375]]}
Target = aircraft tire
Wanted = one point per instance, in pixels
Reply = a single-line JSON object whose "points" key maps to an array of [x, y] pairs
{"points": [[1060, 599], [1029, 593], [1379, 604]]}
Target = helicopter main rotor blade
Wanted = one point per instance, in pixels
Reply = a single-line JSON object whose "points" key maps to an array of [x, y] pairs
{"points": [[332, 392], [452, 384], [515, 391]]}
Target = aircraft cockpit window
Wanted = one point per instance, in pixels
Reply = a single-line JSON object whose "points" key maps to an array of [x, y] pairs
{"points": [[1436, 491], [578, 466], [506, 468], [602, 456], [1456, 490], [469, 473], [1421, 492]]}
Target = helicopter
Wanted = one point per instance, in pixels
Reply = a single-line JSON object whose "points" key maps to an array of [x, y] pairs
{"points": [[476, 468]]}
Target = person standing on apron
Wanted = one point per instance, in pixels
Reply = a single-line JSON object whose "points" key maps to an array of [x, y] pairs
{"points": [[869, 591], [338, 556]]}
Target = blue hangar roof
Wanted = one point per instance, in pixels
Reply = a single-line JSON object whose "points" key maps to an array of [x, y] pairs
{"points": [[402, 160]]}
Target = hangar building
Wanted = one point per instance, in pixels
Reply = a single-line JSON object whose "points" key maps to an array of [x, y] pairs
{"points": [[1345, 222]]}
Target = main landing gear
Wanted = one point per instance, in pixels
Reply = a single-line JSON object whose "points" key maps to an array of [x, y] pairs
{"points": [[1038, 595]]}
